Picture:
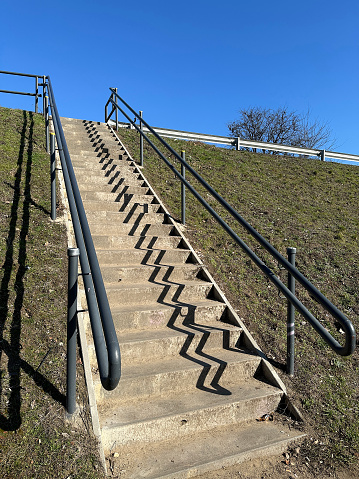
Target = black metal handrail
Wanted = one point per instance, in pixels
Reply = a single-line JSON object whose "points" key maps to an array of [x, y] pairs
{"points": [[104, 334], [350, 337]]}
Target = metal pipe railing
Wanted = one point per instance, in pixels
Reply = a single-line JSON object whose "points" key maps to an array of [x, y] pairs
{"points": [[347, 326], [104, 334], [37, 95]]}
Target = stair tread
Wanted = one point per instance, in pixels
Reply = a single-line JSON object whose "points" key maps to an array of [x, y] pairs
{"points": [[186, 404], [202, 452]]}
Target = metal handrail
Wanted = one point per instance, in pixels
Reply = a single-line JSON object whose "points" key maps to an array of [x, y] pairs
{"points": [[104, 334], [350, 337]]}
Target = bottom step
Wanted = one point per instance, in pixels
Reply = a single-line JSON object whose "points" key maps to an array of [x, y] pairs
{"points": [[201, 453]]}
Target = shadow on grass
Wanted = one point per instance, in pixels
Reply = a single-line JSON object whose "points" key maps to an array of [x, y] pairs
{"points": [[12, 347]]}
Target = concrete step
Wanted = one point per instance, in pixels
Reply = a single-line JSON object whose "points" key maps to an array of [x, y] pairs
{"points": [[118, 195], [215, 372], [201, 453], [145, 257], [146, 293], [185, 414], [121, 206], [115, 178], [142, 242], [137, 214], [132, 229], [130, 274], [155, 316], [101, 165], [193, 342]]}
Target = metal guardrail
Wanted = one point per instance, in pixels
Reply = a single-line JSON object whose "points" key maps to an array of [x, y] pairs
{"points": [[37, 95], [350, 337], [239, 143]]}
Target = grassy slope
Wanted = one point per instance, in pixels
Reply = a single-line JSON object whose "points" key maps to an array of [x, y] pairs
{"points": [[312, 206], [35, 439]]}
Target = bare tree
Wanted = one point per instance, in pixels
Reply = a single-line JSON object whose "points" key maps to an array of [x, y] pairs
{"points": [[281, 126]]}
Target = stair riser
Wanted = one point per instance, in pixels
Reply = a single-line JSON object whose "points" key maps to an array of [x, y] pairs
{"points": [[200, 420], [194, 347], [175, 382], [167, 347], [160, 257], [148, 273], [120, 207], [136, 230], [115, 179], [119, 196], [144, 242], [157, 319], [135, 215], [131, 296]]}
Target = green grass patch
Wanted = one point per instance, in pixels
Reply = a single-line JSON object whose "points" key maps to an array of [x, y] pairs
{"points": [[305, 203], [35, 438]]}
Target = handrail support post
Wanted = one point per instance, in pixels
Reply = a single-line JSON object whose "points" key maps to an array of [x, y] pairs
{"points": [[43, 95], [116, 101], [47, 124], [73, 256], [141, 139], [36, 94], [53, 175], [291, 316]]}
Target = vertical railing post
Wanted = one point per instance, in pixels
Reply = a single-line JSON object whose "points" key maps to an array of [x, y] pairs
{"points": [[141, 139], [43, 95], [238, 143], [53, 175], [116, 110], [73, 256], [183, 190], [290, 316], [36, 94], [47, 124], [322, 155]]}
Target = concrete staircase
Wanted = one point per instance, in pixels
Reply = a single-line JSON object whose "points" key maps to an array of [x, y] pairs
{"points": [[194, 381]]}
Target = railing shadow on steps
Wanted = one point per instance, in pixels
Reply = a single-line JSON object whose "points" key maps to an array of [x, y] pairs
{"points": [[104, 334], [350, 336]]}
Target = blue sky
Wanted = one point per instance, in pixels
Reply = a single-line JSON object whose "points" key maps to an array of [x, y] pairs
{"points": [[189, 65]]}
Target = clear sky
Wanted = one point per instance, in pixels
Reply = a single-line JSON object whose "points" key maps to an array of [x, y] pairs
{"points": [[189, 65]]}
